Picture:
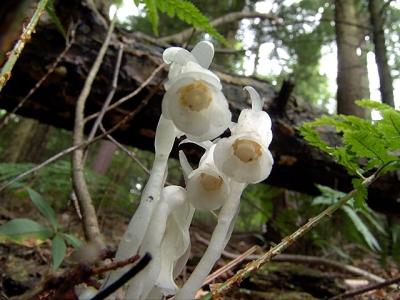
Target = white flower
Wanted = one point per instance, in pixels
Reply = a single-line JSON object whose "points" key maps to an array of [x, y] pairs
{"points": [[170, 220], [175, 248], [245, 156], [193, 99], [207, 188]]}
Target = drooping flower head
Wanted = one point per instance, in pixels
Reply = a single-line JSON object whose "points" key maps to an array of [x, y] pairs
{"points": [[245, 156], [207, 188], [193, 99]]}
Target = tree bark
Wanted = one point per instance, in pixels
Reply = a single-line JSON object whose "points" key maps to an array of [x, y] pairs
{"points": [[378, 36], [103, 157], [350, 71]]}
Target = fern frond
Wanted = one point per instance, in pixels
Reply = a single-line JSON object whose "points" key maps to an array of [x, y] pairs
{"points": [[190, 14]]}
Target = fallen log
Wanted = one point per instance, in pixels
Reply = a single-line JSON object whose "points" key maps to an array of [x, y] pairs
{"points": [[298, 166]]}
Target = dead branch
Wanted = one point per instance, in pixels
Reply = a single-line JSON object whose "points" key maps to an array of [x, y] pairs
{"points": [[110, 96], [182, 36], [89, 218], [366, 289], [83, 144], [130, 95], [305, 259], [131, 154], [4, 120]]}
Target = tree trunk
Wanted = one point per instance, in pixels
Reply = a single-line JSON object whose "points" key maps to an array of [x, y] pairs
{"points": [[103, 157], [378, 35], [14, 151], [350, 71]]}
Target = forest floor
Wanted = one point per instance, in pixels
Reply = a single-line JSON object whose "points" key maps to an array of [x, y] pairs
{"points": [[23, 266]]}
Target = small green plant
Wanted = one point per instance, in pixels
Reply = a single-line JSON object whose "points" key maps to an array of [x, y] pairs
{"points": [[357, 218], [22, 229], [361, 145]]}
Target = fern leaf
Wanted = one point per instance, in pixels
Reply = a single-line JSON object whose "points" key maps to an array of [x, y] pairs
{"points": [[362, 228], [54, 18], [152, 14], [190, 14]]}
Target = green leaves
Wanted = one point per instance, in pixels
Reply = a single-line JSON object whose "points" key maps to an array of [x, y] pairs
{"points": [[184, 10], [330, 196], [361, 145], [58, 250], [72, 240], [43, 207], [26, 230], [362, 228], [18, 230], [52, 13], [152, 14]]}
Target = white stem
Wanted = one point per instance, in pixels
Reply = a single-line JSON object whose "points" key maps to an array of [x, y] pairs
{"points": [[185, 165], [217, 244], [134, 235]]}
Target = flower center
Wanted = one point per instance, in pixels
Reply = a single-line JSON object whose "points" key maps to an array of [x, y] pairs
{"points": [[196, 96], [246, 150], [211, 183]]}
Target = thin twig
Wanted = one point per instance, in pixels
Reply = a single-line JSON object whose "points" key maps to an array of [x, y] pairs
{"points": [[180, 37], [4, 120], [125, 150], [115, 265], [67, 279], [237, 260], [305, 259], [289, 240], [5, 73], [366, 289], [124, 278], [83, 144], [130, 95], [89, 218], [110, 96]]}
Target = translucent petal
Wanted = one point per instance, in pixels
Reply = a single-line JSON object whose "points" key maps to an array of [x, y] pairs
{"points": [[256, 101], [196, 108], [143, 283], [254, 122], [252, 170], [175, 245], [204, 53], [177, 55], [207, 189]]}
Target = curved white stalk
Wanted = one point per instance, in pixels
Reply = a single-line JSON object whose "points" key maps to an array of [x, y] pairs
{"points": [[143, 283], [185, 165], [134, 235], [218, 242]]}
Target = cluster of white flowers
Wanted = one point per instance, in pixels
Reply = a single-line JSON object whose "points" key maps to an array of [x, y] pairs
{"points": [[195, 106]]}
